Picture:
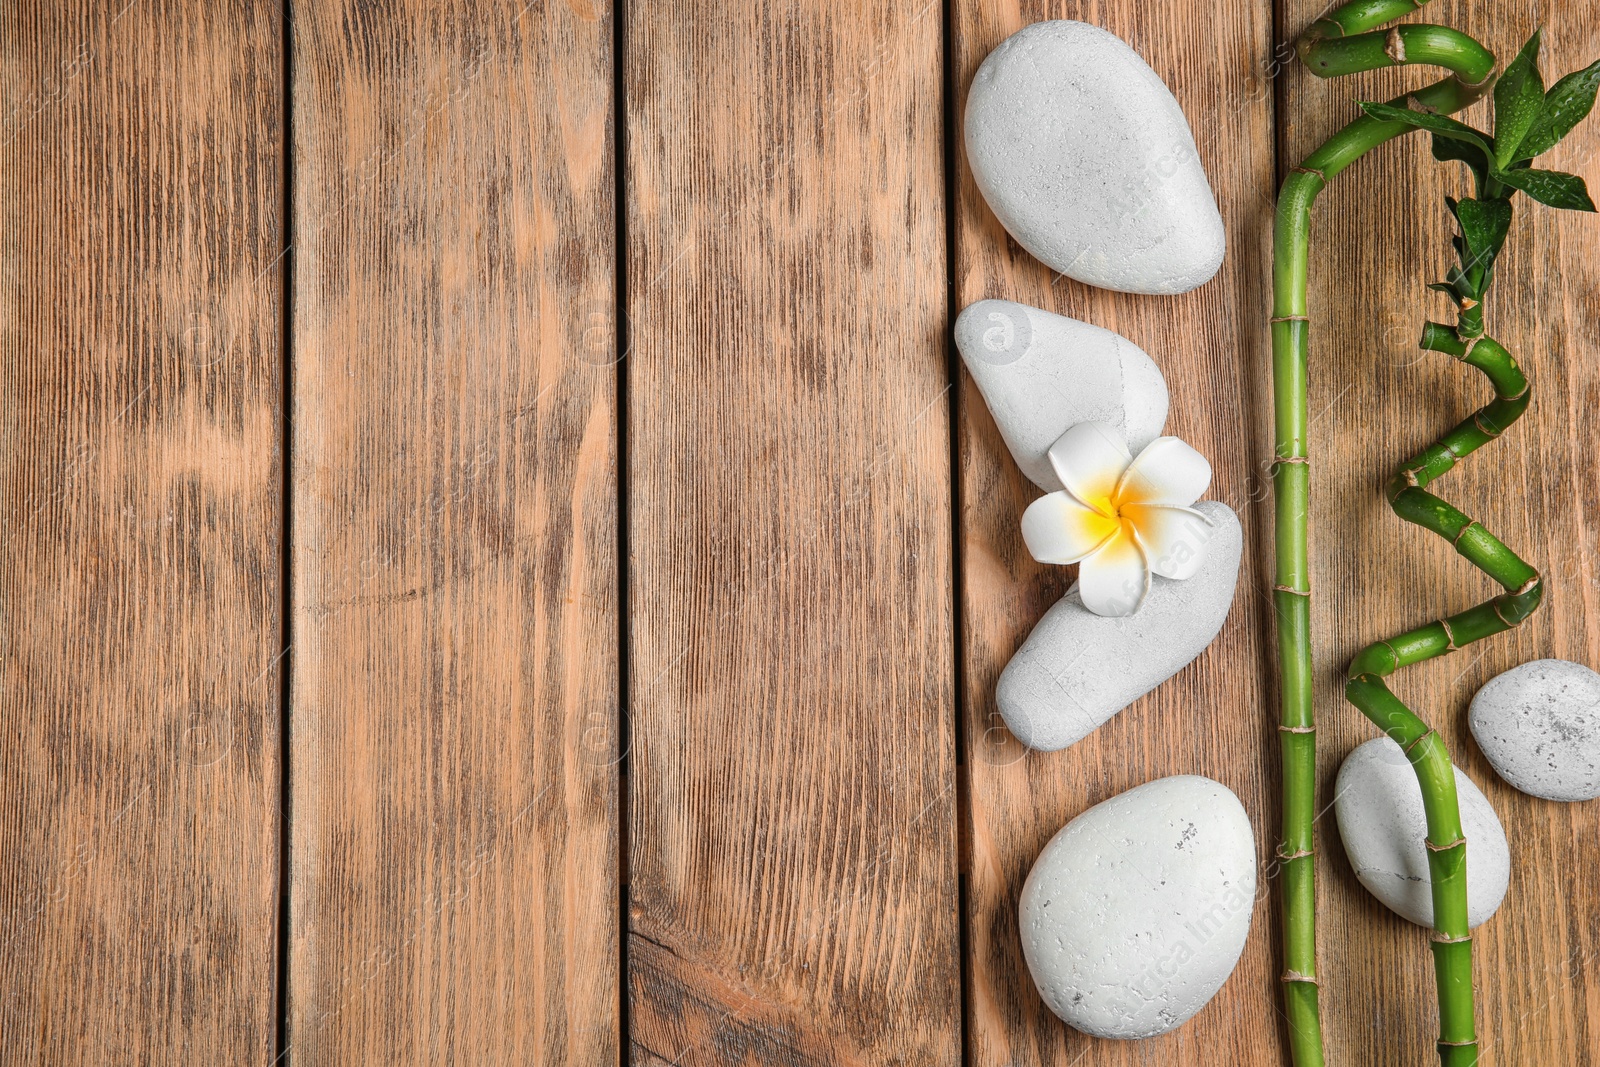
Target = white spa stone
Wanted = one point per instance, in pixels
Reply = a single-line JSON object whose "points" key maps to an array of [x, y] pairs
{"points": [[1042, 373], [1077, 669], [1539, 727], [1086, 158], [1136, 912], [1379, 807]]}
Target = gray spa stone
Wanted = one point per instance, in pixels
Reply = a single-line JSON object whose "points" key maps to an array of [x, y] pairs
{"points": [[1136, 911], [1077, 669], [1539, 727], [1042, 373], [1379, 807], [1087, 160]]}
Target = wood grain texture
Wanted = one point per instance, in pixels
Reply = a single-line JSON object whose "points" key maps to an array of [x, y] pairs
{"points": [[454, 894], [140, 468], [1213, 718], [793, 773], [1380, 233]]}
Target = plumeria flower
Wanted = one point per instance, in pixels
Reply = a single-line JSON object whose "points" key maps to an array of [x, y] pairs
{"points": [[1123, 518]]}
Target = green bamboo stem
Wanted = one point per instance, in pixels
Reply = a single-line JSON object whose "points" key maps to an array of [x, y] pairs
{"points": [[1336, 44], [1447, 845]]}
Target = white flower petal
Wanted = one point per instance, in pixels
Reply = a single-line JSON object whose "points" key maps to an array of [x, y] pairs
{"points": [[1058, 529], [1174, 539], [1114, 580], [1089, 459], [1168, 472]]}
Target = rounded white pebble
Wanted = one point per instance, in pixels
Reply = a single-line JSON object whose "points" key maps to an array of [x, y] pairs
{"points": [[1077, 669], [1539, 727], [1136, 912], [1042, 373], [1086, 159], [1378, 803]]}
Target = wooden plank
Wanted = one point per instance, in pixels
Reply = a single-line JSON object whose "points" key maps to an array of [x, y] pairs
{"points": [[1384, 222], [140, 523], [1214, 718], [453, 757], [793, 799]]}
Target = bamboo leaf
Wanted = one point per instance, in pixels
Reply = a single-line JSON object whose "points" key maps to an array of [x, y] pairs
{"points": [[1440, 125], [1518, 99], [1446, 149], [1565, 105], [1550, 187], [1484, 224]]}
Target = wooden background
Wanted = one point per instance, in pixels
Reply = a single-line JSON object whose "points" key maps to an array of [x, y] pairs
{"points": [[499, 563]]}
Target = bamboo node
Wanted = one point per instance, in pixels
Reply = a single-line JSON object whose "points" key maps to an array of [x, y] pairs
{"points": [[1417, 742], [1394, 46], [1459, 1044], [1290, 318], [1495, 603], [1296, 976], [1443, 848], [1282, 729], [1305, 460], [1456, 540], [1291, 589], [1528, 586], [1450, 635], [1520, 394], [1446, 939], [1477, 420], [1299, 854], [1313, 171]]}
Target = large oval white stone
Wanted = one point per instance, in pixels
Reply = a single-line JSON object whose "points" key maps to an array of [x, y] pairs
{"points": [[1378, 803], [1077, 669], [1136, 912], [1539, 727], [1086, 158], [1041, 374]]}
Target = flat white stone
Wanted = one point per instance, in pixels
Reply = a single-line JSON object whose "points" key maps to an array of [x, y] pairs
{"points": [[1042, 374], [1136, 912], [1087, 160], [1077, 669], [1378, 803], [1539, 727]]}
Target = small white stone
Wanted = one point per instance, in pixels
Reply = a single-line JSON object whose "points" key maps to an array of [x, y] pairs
{"points": [[1042, 374], [1086, 158], [1077, 669], [1136, 912], [1539, 727], [1378, 803]]}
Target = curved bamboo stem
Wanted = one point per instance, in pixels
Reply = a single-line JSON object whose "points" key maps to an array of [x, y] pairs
{"points": [[1447, 846], [1336, 44]]}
